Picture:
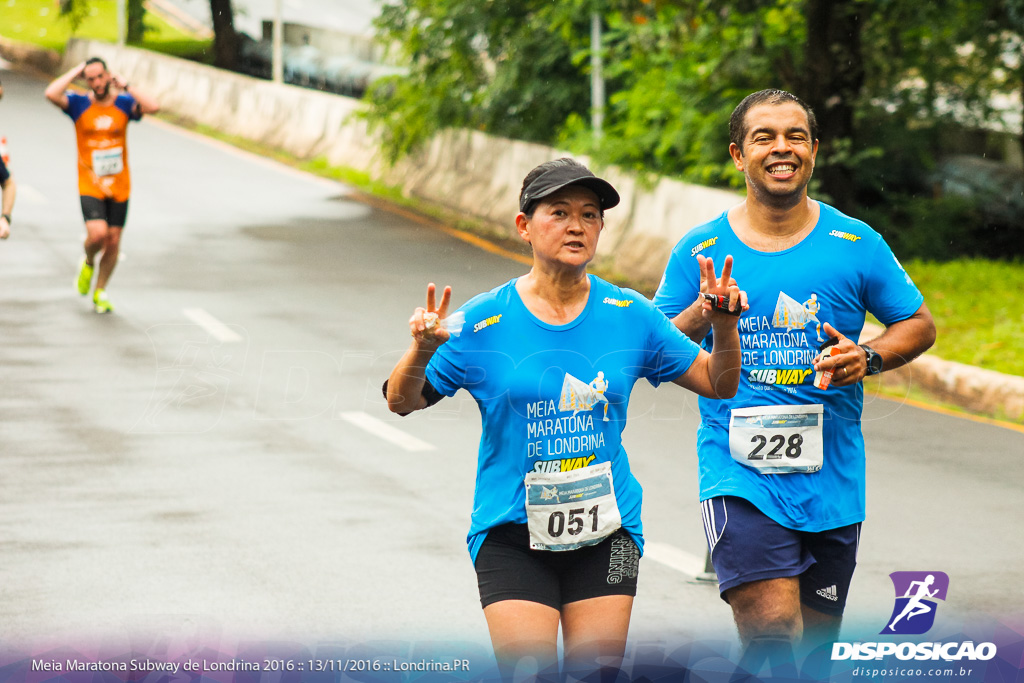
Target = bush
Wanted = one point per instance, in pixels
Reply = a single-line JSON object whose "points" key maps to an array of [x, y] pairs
{"points": [[941, 229]]}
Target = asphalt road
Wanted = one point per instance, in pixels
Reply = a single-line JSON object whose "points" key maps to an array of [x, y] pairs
{"points": [[210, 458]]}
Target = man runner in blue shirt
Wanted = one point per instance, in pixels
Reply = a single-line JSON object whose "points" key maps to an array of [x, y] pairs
{"points": [[782, 464]]}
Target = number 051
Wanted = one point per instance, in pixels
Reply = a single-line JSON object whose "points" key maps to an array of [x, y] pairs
{"points": [[557, 523]]}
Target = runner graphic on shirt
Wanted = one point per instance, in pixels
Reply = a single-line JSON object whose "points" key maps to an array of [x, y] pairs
{"points": [[577, 395], [599, 384], [793, 315]]}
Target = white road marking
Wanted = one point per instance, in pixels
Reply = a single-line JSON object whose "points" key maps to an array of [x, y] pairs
{"points": [[216, 328], [674, 558], [385, 431]]}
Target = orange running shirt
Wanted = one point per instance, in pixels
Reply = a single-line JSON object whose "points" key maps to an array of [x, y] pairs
{"points": [[102, 145]]}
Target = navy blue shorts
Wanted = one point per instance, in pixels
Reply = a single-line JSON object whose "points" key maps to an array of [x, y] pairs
{"points": [[746, 545]]}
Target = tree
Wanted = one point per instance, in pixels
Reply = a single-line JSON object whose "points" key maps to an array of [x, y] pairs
{"points": [[832, 83], [888, 80], [1014, 13], [506, 68], [77, 10], [136, 29], [225, 38]]}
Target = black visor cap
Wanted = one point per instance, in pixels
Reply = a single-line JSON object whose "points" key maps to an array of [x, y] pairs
{"points": [[563, 176]]}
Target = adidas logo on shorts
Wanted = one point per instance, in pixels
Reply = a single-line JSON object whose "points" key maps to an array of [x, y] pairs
{"points": [[829, 593]]}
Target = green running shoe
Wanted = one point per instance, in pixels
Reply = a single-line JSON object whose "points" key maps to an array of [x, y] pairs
{"points": [[103, 305], [84, 278]]}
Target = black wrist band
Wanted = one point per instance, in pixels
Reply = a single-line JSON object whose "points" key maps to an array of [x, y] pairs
{"points": [[7, 217]]}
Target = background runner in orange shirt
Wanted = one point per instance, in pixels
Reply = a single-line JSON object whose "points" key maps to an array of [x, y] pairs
{"points": [[8, 189], [101, 119]]}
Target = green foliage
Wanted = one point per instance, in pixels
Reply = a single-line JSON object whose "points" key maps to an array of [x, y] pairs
{"points": [[933, 60], [976, 328], [76, 12], [888, 79], [136, 29], [923, 227], [505, 68], [41, 23], [686, 66]]}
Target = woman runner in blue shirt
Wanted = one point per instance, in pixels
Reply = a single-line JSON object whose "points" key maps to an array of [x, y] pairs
{"points": [[551, 358]]}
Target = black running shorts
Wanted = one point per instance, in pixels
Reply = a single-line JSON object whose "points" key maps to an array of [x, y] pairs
{"points": [[96, 209], [508, 569]]}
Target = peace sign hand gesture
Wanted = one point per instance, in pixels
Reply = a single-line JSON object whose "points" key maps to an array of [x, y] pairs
{"points": [[427, 324], [724, 287]]}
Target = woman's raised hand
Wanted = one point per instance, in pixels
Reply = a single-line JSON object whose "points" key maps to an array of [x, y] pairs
{"points": [[426, 324]]}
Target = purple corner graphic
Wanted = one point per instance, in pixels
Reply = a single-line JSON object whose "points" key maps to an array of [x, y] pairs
{"points": [[917, 596]]}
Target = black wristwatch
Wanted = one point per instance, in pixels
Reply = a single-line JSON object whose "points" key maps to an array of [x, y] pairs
{"points": [[7, 217], [874, 360]]}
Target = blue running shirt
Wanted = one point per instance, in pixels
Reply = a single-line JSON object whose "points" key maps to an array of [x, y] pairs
{"points": [[838, 271], [543, 391]]}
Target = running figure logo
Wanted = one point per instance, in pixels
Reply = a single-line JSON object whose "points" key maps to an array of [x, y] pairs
{"points": [[578, 395], [916, 595], [793, 315], [599, 385]]}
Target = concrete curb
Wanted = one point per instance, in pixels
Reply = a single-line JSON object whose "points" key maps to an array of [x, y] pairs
{"points": [[972, 388], [470, 172]]}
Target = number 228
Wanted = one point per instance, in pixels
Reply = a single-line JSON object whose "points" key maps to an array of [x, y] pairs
{"points": [[792, 450]]}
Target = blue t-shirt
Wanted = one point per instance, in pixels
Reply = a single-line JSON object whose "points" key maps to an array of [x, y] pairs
{"points": [[79, 102], [527, 378], [4, 173], [840, 270]]}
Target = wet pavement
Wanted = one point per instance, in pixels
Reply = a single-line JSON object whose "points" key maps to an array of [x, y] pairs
{"points": [[209, 456]]}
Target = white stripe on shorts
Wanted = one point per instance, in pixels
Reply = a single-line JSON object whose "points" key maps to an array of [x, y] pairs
{"points": [[708, 534], [708, 514]]}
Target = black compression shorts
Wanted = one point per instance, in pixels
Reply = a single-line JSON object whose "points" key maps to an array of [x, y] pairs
{"points": [[106, 209], [508, 569]]}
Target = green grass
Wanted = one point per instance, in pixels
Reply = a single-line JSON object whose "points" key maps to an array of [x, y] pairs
{"points": [[977, 309], [39, 22]]}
